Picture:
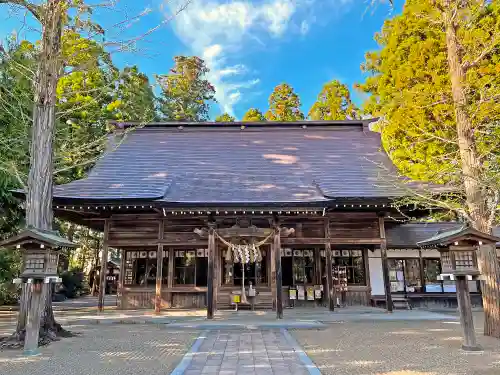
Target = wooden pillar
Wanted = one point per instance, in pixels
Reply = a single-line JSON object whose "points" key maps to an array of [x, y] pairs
{"points": [[272, 279], [464, 305], [278, 270], [210, 274], [317, 265], [385, 266], [170, 277], [330, 289], [36, 304], [216, 275], [121, 279], [159, 269], [159, 277], [104, 266], [422, 273]]}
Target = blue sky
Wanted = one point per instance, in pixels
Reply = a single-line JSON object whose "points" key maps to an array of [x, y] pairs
{"points": [[250, 46]]}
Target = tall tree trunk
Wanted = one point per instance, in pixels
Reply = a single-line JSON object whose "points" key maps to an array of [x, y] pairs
{"points": [[39, 212], [477, 199]]}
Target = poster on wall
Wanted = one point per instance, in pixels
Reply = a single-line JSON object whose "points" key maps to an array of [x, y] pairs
{"points": [[310, 293], [317, 291], [300, 293]]}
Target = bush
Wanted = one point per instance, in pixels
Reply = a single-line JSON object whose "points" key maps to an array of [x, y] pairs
{"points": [[9, 294], [73, 284]]}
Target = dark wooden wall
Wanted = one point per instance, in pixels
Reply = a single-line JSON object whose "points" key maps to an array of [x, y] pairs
{"points": [[136, 231]]}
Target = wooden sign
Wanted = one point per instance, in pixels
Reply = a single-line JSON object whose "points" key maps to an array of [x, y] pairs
{"points": [[301, 293], [310, 293], [317, 291]]}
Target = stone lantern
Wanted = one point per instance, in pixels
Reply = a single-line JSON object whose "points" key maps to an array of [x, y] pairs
{"points": [[40, 250], [458, 250]]}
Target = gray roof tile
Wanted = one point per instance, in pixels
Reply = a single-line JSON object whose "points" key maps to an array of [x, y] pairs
{"points": [[410, 234], [211, 164]]}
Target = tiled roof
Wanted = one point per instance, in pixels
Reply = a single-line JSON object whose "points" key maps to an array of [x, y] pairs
{"points": [[410, 234], [43, 236], [214, 163]]}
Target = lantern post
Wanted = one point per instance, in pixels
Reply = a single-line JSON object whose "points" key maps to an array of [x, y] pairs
{"points": [[40, 250], [458, 251]]}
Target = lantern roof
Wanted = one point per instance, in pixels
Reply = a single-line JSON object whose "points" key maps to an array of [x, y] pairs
{"points": [[464, 232], [39, 236]]}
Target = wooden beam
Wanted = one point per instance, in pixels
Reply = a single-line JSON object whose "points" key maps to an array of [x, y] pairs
{"points": [[279, 276], [210, 274], [104, 266], [333, 241], [385, 265], [330, 289]]}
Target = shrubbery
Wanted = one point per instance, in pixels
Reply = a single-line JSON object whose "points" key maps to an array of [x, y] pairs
{"points": [[73, 284]]}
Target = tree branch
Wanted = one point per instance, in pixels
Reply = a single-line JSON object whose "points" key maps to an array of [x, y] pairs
{"points": [[32, 8], [470, 64]]}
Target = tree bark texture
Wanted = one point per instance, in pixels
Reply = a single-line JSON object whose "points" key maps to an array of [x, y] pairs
{"points": [[39, 212], [471, 166]]}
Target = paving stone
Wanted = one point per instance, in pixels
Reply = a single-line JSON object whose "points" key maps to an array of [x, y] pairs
{"points": [[248, 352]]}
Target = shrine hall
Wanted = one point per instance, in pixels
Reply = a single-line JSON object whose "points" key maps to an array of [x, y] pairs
{"points": [[283, 213]]}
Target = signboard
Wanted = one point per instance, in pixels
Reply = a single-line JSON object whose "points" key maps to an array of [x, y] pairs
{"points": [[310, 293], [301, 293], [292, 294], [317, 291]]}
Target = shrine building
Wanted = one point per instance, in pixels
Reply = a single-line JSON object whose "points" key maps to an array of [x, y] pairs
{"points": [[198, 209]]}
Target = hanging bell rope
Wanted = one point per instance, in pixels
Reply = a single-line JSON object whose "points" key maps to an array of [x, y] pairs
{"points": [[249, 253]]}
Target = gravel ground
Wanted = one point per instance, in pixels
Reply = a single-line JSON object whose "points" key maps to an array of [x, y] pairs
{"points": [[398, 348], [105, 350]]}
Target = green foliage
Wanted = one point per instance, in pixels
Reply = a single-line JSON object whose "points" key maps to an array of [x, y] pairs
{"points": [[73, 283], [90, 92], [186, 94], [411, 91], [133, 97], [253, 114], [334, 103], [284, 105], [225, 117], [10, 266]]}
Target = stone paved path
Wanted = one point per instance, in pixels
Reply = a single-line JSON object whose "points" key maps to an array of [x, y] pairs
{"points": [[249, 352]]}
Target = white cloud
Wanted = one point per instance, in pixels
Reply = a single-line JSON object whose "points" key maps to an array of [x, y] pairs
{"points": [[304, 27], [219, 30]]}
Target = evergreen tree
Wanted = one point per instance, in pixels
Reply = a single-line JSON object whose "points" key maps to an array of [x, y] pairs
{"points": [[284, 105], [225, 117], [253, 114], [186, 94], [435, 84], [334, 103]]}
